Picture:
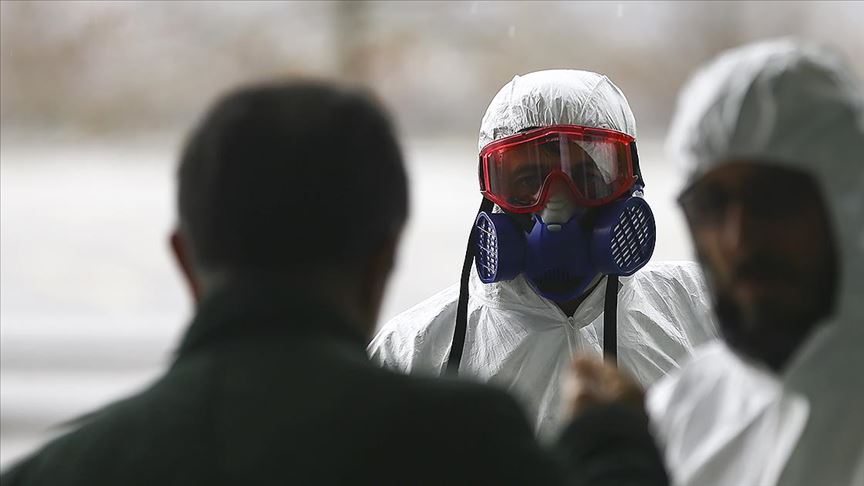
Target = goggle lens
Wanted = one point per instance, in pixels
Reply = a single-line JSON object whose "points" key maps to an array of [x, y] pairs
{"points": [[515, 171]]}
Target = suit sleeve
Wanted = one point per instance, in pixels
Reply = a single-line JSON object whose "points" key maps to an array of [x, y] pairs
{"points": [[14, 476], [491, 442], [610, 445]]}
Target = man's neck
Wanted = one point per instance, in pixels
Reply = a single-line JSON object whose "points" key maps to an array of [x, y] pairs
{"points": [[569, 307], [339, 293]]}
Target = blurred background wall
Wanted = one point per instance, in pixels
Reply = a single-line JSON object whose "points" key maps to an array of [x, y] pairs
{"points": [[95, 98]]}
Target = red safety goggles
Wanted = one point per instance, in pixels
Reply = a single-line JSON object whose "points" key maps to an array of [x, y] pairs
{"points": [[597, 164]]}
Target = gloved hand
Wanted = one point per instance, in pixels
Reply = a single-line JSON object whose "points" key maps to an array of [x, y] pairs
{"points": [[591, 382]]}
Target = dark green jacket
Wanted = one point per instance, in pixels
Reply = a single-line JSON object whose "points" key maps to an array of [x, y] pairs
{"points": [[270, 388]]}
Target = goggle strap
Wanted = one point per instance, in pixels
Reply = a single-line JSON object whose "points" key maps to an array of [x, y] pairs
{"points": [[637, 171], [457, 345]]}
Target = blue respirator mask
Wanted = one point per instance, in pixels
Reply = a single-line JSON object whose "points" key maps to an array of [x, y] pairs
{"points": [[560, 260]]}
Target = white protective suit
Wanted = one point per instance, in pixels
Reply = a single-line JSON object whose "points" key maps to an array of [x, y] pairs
{"points": [[724, 420], [522, 341]]}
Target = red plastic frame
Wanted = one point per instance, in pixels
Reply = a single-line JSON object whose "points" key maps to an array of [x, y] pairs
{"points": [[584, 133]]}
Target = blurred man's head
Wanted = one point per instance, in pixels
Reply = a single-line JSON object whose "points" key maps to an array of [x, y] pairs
{"points": [[770, 138], [764, 239], [296, 182]]}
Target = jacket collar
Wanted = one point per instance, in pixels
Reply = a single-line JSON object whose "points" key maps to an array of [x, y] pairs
{"points": [[261, 308]]}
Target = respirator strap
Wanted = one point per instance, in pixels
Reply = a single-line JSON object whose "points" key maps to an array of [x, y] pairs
{"points": [[454, 358], [610, 321]]}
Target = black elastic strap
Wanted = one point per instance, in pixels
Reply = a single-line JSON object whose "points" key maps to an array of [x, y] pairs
{"points": [[634, 155], [454, 359], [610, 320]]}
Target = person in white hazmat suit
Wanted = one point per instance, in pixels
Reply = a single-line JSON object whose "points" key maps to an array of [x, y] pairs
{"points": [[771, 137], [560, 236]]}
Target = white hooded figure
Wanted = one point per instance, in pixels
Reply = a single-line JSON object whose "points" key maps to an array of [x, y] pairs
{"points": [[519, 340], [733, 416]]}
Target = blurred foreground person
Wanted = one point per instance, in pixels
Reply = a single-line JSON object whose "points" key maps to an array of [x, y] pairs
{"points": [[562, 244], [292, 198], [771, 136]]}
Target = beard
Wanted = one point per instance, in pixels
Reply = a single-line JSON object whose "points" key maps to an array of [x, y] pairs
{"points": [[764, 334], [770, 329]]}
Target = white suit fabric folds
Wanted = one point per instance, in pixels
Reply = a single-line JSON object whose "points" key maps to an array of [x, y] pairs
{"points": [[523, 342], [724, 420]]}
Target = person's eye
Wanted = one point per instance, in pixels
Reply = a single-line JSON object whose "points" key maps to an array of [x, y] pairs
{"points": [[707, 204], [589, 177], [780, 195], [772, 201], [528, 181], [588, 171]]}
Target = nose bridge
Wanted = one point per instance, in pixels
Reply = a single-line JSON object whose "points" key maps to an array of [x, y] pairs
{"points": [[560, 200], [558, 185], [738, 226]]}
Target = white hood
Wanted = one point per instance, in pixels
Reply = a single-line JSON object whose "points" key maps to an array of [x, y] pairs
{"points": [[796, 104], [799, 105], [556, 97]]}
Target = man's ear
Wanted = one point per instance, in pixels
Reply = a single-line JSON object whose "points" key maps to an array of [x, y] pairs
{"points": [[183, 257]]}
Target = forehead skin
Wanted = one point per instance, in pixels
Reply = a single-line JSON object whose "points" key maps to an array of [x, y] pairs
{"points": [[738, 176], [548, 153]]}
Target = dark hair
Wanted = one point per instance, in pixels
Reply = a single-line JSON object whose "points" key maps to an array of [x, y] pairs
{"points": [[289, 176]]}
